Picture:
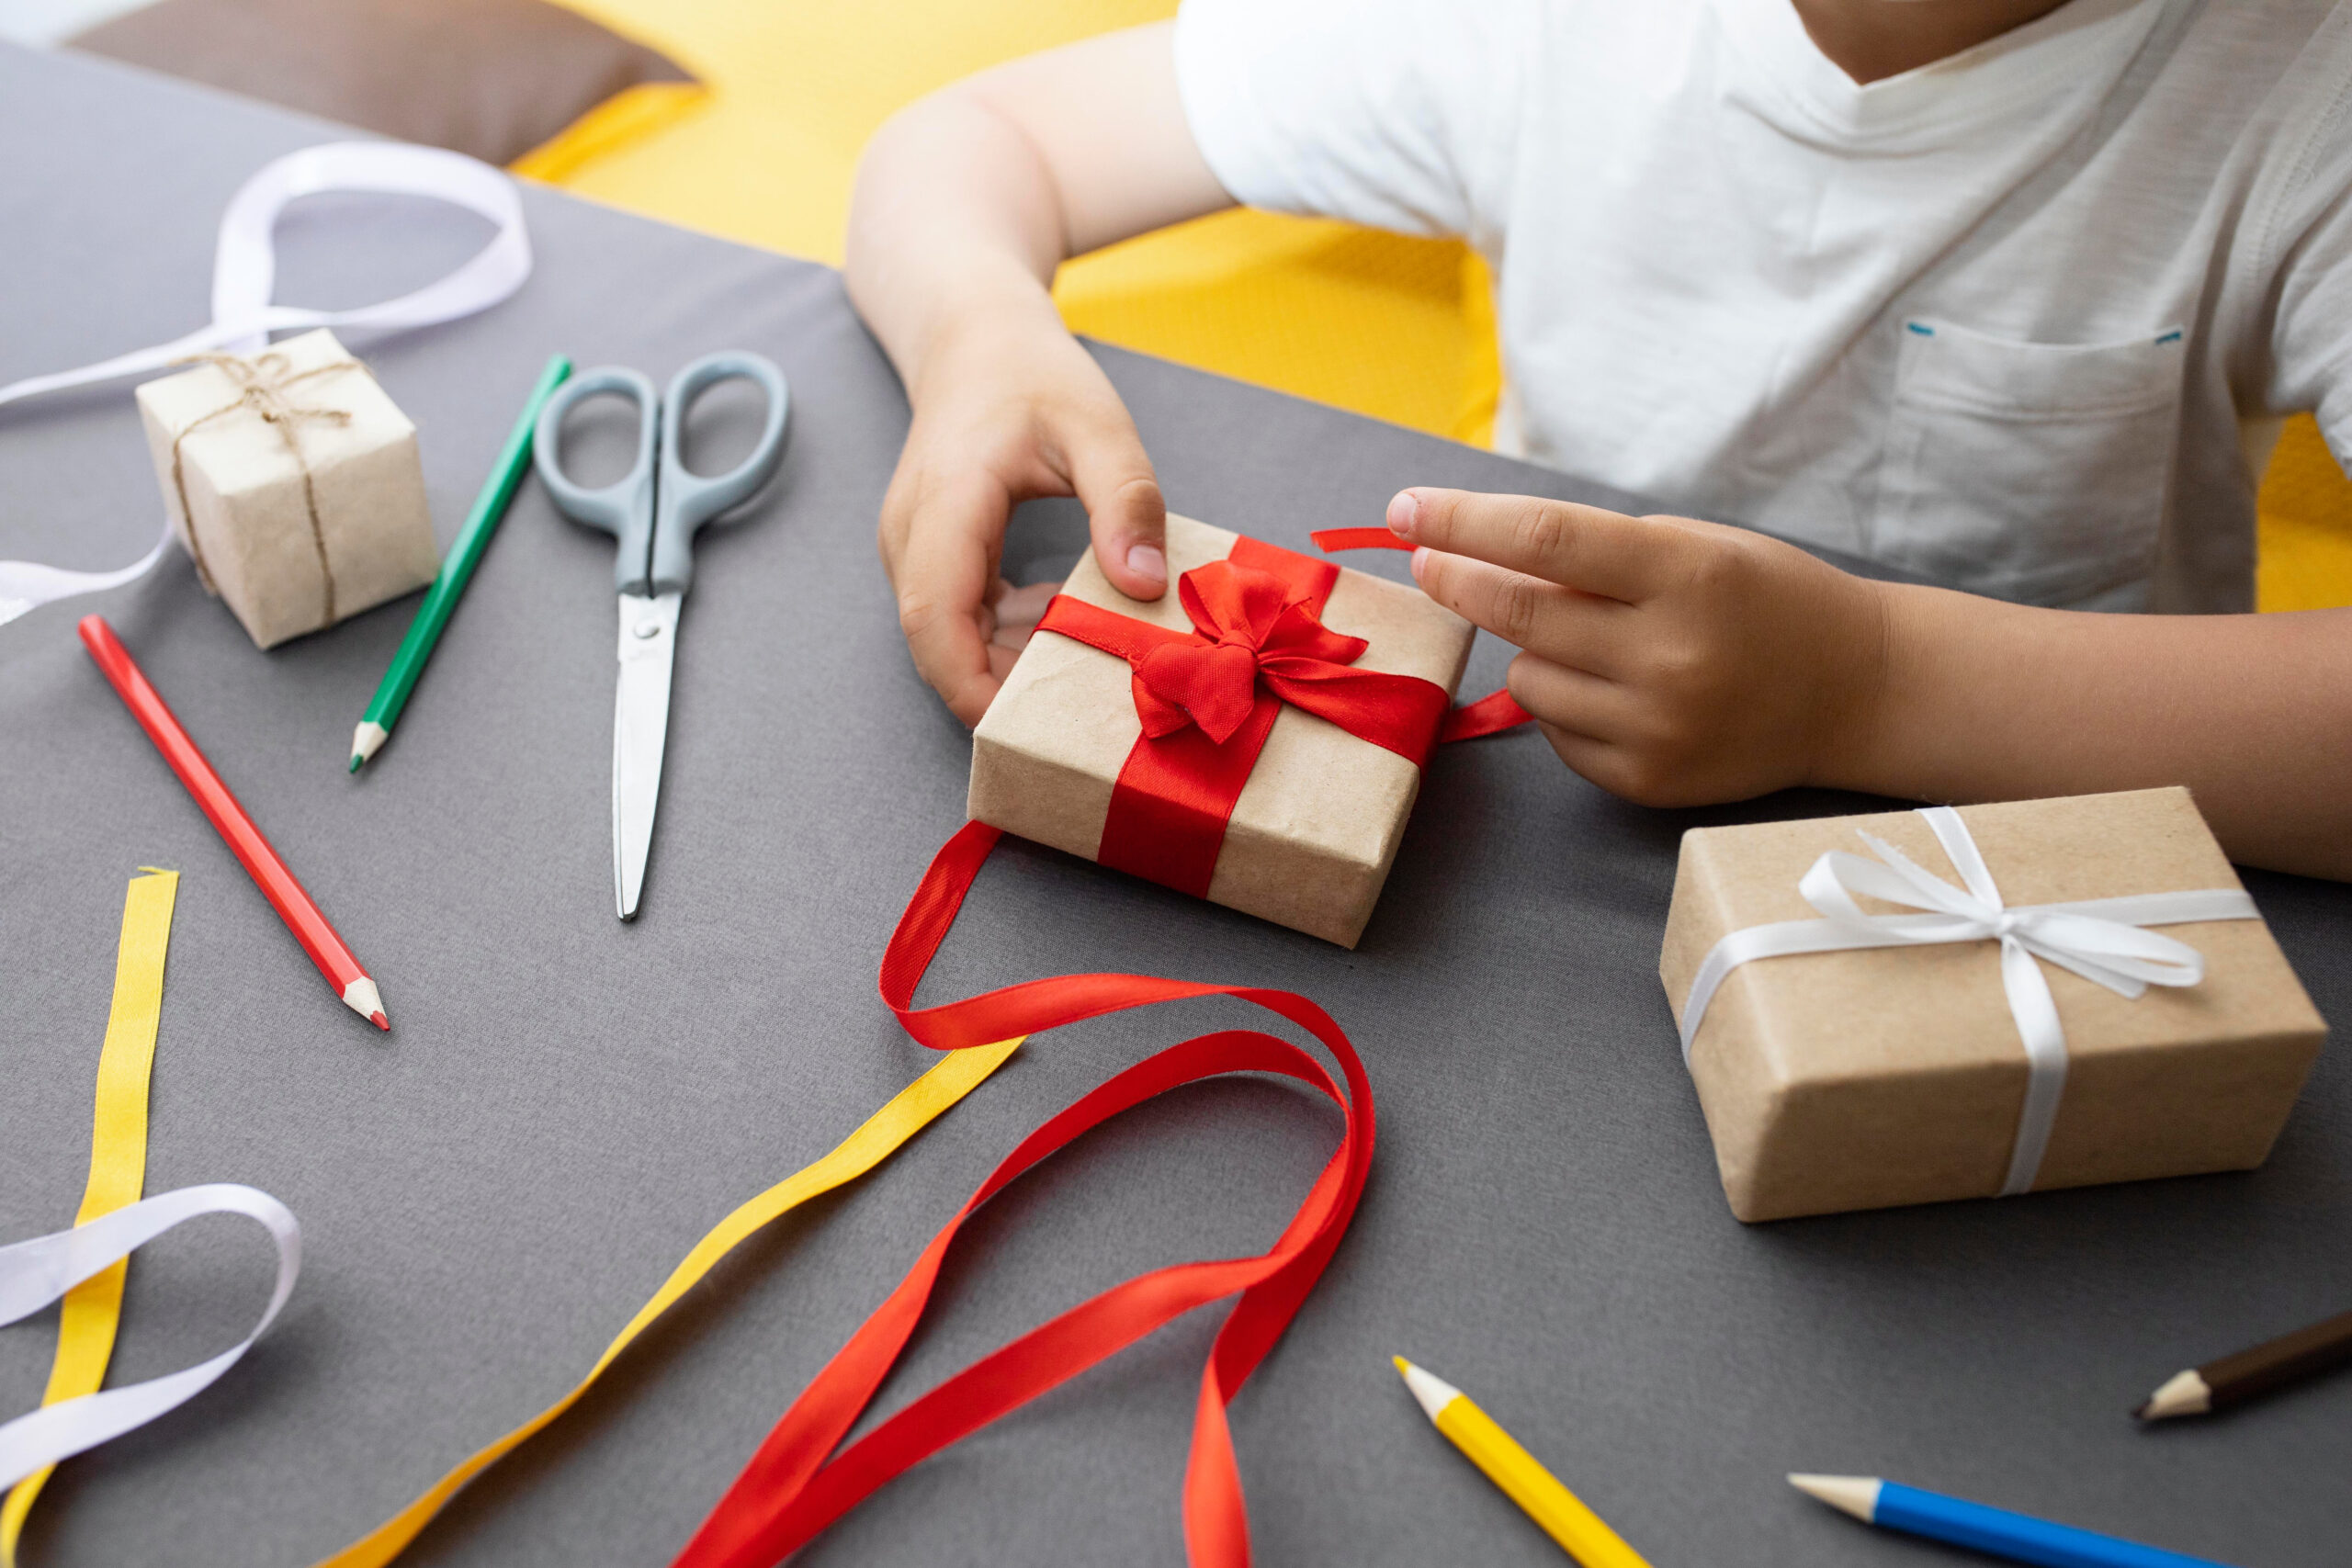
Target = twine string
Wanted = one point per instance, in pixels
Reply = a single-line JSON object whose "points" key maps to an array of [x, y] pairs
{"points": [[262, 380]]}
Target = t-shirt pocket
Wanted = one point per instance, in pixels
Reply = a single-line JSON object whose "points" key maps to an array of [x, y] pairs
{"points": [[2032, 472]]}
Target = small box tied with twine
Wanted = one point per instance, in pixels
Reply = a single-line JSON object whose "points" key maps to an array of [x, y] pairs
{"points": [[293, 482]]}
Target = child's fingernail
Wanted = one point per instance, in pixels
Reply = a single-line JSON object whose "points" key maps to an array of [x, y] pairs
{"points": [[1404, 513], [1145, 560], [1420, 558]]}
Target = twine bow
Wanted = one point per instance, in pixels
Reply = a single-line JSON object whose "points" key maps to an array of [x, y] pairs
{"points": [[2098, 938], [261, 380]]}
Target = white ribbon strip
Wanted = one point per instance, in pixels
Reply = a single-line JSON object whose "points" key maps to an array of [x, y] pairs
{"points": [[245, 272], [37, 1272], [2098, 938]]}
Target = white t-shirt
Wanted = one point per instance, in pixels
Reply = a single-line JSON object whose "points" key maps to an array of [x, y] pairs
{"points": [[2024, 320]]}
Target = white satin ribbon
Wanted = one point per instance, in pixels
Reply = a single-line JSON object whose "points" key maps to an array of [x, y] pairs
{"points": [[37, 1272], [244, 273], [2098, 938]]}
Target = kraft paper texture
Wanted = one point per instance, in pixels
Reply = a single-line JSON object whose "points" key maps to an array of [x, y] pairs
{"points": [[1312, 837], [1858, 1080], [246, 519]]}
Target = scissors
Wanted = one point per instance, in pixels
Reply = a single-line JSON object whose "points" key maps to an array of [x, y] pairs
{"points": [[654, 510]]}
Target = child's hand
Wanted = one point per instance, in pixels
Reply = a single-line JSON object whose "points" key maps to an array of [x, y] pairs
{"points": [[967, 202], [1008, 410], [1671, 661]]}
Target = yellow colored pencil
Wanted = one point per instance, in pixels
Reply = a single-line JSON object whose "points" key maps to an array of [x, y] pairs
{"points": [[1563, 1515]]}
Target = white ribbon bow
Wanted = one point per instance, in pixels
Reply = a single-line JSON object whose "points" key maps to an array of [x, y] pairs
{"points": [[2098, 938], [245, 272]]}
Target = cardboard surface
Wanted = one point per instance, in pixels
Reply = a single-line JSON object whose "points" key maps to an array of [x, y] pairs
{"points": [[1848, 1080], [1312, 837]]}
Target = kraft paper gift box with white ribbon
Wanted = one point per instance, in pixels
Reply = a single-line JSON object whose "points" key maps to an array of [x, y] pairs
{"points": [[1991, 1045], [1319, 821], [293, 480]]}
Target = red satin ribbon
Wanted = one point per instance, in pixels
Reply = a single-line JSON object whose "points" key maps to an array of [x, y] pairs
{"points": [[1182, 783], [1490, 715], [1208, 698], [1247, 635], [1330, 540], [790, 1491]]}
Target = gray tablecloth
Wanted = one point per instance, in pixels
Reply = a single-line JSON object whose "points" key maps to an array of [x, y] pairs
{"points": [[565, 1104]]}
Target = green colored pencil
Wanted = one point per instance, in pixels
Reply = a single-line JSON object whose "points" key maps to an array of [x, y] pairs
{"points": [[441, 599]]}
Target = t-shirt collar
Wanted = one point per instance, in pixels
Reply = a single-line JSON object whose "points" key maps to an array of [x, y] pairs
{"points": [[2048, 64]]}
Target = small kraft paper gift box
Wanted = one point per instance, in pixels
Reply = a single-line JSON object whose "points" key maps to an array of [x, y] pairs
{"points": [[1254, 738], [1992, 1000], [293, 481]]}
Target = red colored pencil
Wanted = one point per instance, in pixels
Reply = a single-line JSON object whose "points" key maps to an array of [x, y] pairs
{"points": [[351, 982]]}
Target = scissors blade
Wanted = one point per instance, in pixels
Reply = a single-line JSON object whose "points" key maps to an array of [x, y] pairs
{"points": [[648, 642]]}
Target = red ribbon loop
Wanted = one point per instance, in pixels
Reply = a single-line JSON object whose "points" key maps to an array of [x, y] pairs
{"points": [[795, 1485]]}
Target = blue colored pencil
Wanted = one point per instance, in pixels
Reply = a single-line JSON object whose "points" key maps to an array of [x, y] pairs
{"points": [[2019, 1536]]}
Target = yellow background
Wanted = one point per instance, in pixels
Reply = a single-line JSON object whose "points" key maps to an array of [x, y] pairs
{"points": [[1397, 328]]}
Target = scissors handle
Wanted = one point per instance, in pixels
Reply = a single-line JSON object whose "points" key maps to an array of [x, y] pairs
{"points": [[624, 507], [688, 500]]}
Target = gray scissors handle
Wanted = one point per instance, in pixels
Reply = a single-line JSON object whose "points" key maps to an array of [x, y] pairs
{"points": [[624, 507], [686, 499]]}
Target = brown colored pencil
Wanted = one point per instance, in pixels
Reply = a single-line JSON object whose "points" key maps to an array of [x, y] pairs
{"points": [[2275, 1363]]}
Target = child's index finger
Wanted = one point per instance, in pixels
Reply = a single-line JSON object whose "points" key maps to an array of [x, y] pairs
{"points": [[1584, 548]]}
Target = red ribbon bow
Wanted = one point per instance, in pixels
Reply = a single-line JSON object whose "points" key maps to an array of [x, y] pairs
{"points": [[1208, 698], [1247, 628]]}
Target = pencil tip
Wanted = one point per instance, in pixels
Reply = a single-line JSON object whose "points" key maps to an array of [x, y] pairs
{"points": [[1431, 1393], [367, 741], [2184, 1394], [356, 760], [1855, 1495], [362, 998]]}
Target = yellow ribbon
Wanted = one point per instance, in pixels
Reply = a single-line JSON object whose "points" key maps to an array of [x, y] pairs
{"points": [[87, 1316], [915, 1106]]}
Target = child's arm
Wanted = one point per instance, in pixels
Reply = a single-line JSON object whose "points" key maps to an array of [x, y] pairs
{"points": [[966, 204], [1676, 662]]}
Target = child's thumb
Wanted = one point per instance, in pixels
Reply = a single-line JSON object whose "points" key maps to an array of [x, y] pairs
{"points": [[1124, 514]]}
